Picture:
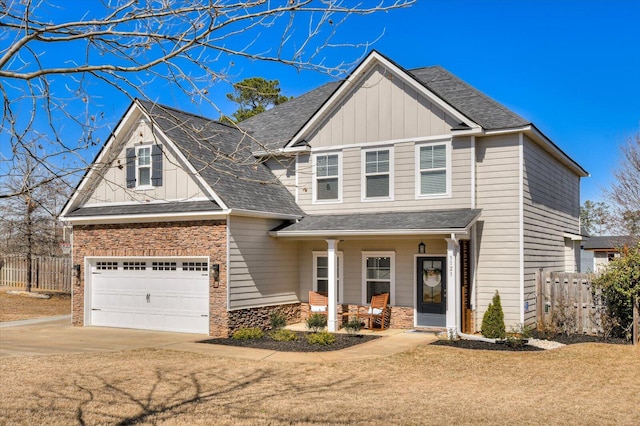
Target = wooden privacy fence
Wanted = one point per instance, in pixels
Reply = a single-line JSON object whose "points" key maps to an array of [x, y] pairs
{"points": [[47, 273], [567, 300]]}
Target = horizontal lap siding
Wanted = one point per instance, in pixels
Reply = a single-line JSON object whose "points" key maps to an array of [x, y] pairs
{"points": [[404, 250], [551, 208], [498, 228], [404, 197], [262, 270]]}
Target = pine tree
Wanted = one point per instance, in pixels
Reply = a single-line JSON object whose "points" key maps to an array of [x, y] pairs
{"points": [[493, 320]]}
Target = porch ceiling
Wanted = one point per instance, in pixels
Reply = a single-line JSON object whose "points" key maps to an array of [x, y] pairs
{"points": [[428, 222]]}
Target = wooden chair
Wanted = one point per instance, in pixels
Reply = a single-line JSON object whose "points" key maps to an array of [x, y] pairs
{"points": [[318, 303], [376, 311]]}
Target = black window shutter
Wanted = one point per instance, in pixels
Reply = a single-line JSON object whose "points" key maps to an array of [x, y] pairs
{"points": [[156, 165], [131, 167]]}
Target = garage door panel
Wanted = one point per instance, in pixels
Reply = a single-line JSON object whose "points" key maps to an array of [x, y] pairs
{"points": [[151, 294]]}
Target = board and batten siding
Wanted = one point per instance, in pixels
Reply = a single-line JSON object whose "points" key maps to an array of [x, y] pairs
{"points": [[404, 177], [498, 228], [263, 271], [177, 184], [380, 106], [404, 274], [551, 209]]}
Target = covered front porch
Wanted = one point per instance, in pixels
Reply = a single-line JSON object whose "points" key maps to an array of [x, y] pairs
{"points": [[422, 259]]}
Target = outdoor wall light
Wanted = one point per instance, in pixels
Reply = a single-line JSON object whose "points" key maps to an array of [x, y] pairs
{"points": [[422, 248], [215, 272], [76, 270]]}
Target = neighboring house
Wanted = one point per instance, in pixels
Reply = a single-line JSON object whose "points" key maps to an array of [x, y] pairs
{"points": [[598, 251], [402, 181]]}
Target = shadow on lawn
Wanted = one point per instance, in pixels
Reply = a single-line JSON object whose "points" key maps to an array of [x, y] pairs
{"points": [[96, 399]]}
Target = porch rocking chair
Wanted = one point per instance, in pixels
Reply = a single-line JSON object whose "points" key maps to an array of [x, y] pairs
{"points": [[318, 303], [376, 311]]}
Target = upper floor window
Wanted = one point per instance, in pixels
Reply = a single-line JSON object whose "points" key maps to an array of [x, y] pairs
{"points": [[433, 170], [327, 177], [377, 174], [144, 166]]}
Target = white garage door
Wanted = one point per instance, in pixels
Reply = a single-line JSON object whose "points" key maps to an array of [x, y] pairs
{"points": [[169, 294]]}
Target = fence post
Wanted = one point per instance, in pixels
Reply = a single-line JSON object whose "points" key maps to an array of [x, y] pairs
{"points": [[636, 318]]}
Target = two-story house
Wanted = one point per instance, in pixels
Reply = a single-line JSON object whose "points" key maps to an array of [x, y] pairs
{"points": [[409, 182]]}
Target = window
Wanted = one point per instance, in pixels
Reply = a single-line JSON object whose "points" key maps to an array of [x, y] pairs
{"points": [[378, 273], [134, 266], [107, 266], [327, 179], [377, 174], [433, 174], [321, 273], [143, 166], [163, 266], [195, 266]]}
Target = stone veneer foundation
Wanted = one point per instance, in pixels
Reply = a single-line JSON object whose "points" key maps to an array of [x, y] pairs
{"points": [[401, 317]]}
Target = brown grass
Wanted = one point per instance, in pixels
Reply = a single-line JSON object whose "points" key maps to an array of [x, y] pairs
{"points": [[585, 384], [18, 307]]}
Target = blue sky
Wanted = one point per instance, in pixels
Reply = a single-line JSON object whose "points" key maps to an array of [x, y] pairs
{"points": [[571, 67]]}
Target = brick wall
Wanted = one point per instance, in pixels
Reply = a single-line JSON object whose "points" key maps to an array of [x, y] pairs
{"points": [[194, 238]]}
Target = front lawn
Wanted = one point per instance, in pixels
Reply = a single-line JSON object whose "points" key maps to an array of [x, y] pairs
{"points": [[579, 384], [14, 307]]}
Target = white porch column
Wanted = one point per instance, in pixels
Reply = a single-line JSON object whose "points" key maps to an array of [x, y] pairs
{"points": [[453, 285], [332, 286]]}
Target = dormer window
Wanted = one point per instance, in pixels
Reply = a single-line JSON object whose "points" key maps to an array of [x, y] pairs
{"points": [[144, 166]]}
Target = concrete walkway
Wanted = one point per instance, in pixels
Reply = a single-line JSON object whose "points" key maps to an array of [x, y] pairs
{"points": [[57, 336]]}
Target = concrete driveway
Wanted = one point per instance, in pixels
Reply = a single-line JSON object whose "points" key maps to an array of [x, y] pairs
{"points": [[57, 336]]}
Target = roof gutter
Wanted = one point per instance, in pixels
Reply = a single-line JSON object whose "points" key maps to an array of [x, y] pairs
{"points": [[267, 215], [145, 218], [321, 233]]}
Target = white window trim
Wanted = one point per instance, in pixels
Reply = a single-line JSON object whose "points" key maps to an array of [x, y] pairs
{"points": [[316, 255], [150, 166], [315, 181], [363, 174], [447, 194], [392, 284]]}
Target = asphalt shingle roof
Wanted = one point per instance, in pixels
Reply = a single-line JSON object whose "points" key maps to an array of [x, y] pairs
{"points": [[222, 155], [277, 126], [274, 128], [469, 101], [147, 208], [604, 242], [389, 221]]}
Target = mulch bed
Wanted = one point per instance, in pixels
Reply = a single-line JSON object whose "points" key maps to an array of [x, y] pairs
{"points": [[560, 338], [343, 341], [477, 344]]}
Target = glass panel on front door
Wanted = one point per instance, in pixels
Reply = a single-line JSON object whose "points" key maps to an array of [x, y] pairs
{"points": [[431, 291], [432, 281]]}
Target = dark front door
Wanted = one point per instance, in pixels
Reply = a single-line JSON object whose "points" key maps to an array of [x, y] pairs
{"points": [[431, 285]]}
